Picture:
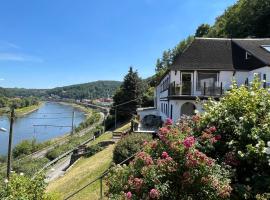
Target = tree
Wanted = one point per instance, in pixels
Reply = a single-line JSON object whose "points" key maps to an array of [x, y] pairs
{"points": [[130, 91], [202, 30], [245, 18], [159, 65]]}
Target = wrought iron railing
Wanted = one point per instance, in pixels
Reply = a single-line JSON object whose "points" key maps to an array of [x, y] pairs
{"points": [[187, 89], [100, 179]]}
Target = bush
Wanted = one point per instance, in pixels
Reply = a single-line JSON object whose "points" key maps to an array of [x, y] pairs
{"points": [[27, 147], [129, 145], [21, 187], [242, 122], [29, 166], [170, 168], [92, 150], [88, 122]]}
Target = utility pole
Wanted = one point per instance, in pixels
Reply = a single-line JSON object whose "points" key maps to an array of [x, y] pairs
{"points": [[72, 123], [12, 116], [115, 112]]}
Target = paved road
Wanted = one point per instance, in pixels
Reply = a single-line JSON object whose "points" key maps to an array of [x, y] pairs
{"points": [[58, 170]]}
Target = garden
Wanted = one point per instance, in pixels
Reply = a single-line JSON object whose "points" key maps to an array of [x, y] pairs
{"points": [[222, 153]]}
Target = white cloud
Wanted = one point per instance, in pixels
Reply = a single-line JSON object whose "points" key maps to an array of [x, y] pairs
{"points": [[8, 45], [2, 79], [19, 57]]}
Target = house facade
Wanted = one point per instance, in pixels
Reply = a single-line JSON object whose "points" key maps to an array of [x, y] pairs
{"points": [[206, 69]]}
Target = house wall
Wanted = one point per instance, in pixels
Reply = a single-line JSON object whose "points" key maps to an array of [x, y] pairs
{"points": [[177, 104], [261, 71], [163, 104]]}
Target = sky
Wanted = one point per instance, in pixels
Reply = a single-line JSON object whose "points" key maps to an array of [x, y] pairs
{"points": [[49, 43]]}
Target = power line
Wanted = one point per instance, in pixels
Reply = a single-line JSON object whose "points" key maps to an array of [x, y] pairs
{"points": [[46, 125]]}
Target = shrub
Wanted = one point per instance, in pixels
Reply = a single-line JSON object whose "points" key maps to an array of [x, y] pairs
{"points": [[242, 122], [29, 166], [128, 146], [27, 147], [22, 187], [170, 168], [92, 150]]}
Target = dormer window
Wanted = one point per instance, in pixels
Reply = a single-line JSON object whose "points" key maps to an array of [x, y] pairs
{"points": [[266, 47], [248, 55]]}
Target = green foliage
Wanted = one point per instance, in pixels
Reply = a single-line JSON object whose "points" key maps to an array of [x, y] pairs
{"points": [[148, 97], [202, 30], [170, 168], [242, 119], [129, 145], [73, 142], [88, 122], [92, 90], [245, 18], [92, 150], [21, 187], [17, 102], [29, 166], [131, 90], [27, 147]]}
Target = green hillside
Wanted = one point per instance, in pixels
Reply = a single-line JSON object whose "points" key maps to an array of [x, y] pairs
{"points": [[92, 90]]}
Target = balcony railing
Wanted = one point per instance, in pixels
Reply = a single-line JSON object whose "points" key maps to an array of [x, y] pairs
{"points": [[187, 89]]}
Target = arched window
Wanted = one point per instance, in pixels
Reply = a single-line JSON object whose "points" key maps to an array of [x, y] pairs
{"points": [[188, 109]]}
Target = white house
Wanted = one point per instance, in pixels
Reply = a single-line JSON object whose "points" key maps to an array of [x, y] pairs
{"points": [[206, 69]]}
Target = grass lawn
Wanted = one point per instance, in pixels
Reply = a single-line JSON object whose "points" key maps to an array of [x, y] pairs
{"points": [[85, 170], [124, 127], [104, 137], [28, 109]]}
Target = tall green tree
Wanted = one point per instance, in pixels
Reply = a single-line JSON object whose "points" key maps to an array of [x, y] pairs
{"points": [[245, 18], [202, 30], [129, 94]]}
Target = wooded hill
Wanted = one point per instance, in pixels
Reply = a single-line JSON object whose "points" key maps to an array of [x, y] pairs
{"points": [[91, 90]]}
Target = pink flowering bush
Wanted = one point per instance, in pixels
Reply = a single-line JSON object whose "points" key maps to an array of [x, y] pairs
{"points": [[171, 167]]}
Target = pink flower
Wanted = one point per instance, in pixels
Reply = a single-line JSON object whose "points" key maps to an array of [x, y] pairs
{"points": [[163, 130], [128, 195], [218, 137], [169, 122], [154, 194], [189, 142], [145, 143], [212, 129], [165, 155], [154, 144]]}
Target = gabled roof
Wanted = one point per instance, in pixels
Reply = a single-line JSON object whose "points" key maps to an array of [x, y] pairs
{"points": [[254, 46], [216, 54]]}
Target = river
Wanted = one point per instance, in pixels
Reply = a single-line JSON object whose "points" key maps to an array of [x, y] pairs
{"points": [[51, 113]]}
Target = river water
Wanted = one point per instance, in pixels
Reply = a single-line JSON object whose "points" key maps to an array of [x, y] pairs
{"points": [[43, 124]]}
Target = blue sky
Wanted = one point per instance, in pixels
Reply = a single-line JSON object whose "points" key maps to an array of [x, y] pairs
{"points": [[48, 43]]}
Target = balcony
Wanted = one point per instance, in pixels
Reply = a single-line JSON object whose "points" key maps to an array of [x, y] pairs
{"points": [[186, 88]]}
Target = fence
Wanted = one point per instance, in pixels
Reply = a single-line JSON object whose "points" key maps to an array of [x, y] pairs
{"points": [[100, 179]]}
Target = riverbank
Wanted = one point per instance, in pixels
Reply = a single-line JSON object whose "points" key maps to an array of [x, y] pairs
{"points": [[87, 111], [20, 112]]}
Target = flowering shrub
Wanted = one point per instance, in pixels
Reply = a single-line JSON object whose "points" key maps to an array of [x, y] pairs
{"points": [[170, 168], [242, 126], [21, 187], [129, 145]]}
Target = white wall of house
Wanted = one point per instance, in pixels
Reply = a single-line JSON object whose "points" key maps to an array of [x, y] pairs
{"points": [[163, 105], [260, 71], [177, 105]]}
